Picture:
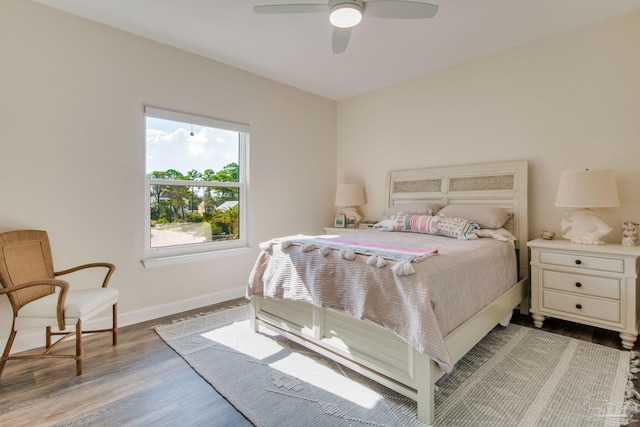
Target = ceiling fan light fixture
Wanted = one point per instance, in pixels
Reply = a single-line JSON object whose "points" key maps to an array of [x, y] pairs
{"points": [[345, 15]]}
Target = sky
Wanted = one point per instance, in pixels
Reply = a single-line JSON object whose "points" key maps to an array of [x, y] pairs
{"points": [[170, 146]]}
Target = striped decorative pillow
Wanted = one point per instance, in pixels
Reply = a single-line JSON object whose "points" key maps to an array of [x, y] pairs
{"points": [[422, 223], [459, 228]]}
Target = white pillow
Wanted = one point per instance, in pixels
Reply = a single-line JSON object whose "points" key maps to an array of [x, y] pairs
{"points": [[483, 215], [385, 224], [498, 234], [413, 208]]}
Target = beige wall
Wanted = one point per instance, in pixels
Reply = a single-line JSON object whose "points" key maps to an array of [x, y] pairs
{"points": [[564, 103], [72, 151]]}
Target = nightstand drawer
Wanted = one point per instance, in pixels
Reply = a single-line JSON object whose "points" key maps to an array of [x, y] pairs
{"points": [[582, 306], [583, 261], [581, 284]]}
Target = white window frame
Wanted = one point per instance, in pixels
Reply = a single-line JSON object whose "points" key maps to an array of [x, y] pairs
{"points": [[206, 250]]}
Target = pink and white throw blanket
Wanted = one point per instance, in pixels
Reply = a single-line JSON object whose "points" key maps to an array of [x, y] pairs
{"points": [[378, 253]]}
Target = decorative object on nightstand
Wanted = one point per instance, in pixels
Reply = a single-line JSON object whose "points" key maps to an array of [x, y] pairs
{"points": [[547, 235], [351, 222], [629, 233], [584, 190], [349, 197], [588, 284]]}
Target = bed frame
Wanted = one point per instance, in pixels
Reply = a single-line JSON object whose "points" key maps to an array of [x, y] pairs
{"points": [[378, 353]]}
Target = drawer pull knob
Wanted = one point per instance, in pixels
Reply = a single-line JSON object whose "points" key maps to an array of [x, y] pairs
{"points": [[578, 285], [578, 262], [579, 306]]}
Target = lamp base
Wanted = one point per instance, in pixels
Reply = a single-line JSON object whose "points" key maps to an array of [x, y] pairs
{"points": [[352, 212], [585, 227]]}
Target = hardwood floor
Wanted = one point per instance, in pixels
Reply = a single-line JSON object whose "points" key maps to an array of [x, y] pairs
{"points": [[142, 382]]}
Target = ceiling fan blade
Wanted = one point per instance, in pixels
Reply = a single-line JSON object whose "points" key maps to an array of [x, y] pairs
{"points": [[399, 9], [291, 8], [340, 39]]}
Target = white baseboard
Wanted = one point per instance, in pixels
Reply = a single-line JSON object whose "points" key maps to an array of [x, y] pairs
{"points": [[27, 340]]}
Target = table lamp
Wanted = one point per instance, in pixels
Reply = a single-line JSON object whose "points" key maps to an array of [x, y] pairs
{"points": [[581, 191], [349, 197]]}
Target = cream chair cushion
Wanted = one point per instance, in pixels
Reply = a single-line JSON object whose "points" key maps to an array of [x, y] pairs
{"points": [[79, 304]]}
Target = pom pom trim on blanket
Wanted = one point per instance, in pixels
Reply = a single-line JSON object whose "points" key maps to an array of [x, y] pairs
{"points": [[378, 256]]}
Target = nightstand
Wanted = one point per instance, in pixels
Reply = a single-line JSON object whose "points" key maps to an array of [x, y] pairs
{"points": [[594, 285]]}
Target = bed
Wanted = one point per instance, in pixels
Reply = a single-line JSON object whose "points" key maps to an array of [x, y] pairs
{"points": [[325, 293]]}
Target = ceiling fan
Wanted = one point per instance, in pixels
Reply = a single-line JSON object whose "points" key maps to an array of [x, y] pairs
{"points": [[345, 14]]}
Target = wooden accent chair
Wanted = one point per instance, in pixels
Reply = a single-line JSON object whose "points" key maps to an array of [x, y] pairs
{"points": [[40, 300]]}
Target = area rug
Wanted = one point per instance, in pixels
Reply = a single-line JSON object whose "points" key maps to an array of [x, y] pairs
{"points": [[516, 376]]}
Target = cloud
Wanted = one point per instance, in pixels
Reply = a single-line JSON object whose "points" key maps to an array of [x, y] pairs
{"points": [[173, 147]]}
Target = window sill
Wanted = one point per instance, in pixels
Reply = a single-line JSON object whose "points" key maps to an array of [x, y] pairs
{"points": [[195, 257]]}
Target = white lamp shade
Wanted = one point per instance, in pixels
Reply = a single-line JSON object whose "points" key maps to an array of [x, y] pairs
{"points": [[349, 195], [587, 189]]}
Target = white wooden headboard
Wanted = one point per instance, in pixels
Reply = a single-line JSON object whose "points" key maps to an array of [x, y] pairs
{"points": [[502, 184]]}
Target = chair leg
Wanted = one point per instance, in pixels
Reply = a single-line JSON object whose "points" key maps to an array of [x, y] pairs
{"points": [[78, 347], [47, 343], [115, 324], [7, 350]]}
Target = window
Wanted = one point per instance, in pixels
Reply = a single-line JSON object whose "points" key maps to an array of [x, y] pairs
{"points": [[195, 185]]}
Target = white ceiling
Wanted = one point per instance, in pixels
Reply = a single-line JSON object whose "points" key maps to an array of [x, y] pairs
{"points": [[296, 49]]}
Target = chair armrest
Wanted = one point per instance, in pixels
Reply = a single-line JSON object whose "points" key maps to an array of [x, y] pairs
{"points": [[64, 289], [107, 277]]}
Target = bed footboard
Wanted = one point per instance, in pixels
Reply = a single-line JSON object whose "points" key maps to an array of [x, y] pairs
{"points": [[373, 351]]}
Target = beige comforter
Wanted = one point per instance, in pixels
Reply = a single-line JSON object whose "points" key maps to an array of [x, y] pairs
{"points": [[422, 308]]}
